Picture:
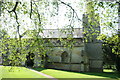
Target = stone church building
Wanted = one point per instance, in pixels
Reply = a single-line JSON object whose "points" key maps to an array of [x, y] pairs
{"points": [[81, 56], [84, 53]]}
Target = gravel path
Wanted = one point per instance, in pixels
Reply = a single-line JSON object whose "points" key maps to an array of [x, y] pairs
{"points": [[50, 77]]}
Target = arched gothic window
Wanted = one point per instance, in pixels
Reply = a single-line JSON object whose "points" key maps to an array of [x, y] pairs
{"points": [[64, 57]]}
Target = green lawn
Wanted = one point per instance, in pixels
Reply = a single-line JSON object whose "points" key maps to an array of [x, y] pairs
{"points": [[22, 72], [18, 72], [68, 74]]}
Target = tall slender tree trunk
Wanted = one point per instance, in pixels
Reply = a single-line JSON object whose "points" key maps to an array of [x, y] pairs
{"points": [[119, 19], [118, 56], [0, 7]]}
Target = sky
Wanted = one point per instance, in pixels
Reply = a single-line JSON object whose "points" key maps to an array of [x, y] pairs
{"points": [[58, 21]]}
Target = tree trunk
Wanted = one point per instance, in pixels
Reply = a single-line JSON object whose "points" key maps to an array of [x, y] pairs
{"points": [[0, 7], [118, 64]]}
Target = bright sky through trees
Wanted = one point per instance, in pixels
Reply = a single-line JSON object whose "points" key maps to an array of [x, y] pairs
{"points": [[55, 16]]}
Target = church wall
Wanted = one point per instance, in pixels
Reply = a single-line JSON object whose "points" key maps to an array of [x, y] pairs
{"points": [[0, 59], [95, 54], [77, 62]]}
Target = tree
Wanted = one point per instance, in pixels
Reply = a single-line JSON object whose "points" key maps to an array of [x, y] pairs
{"points": [[111, 48], [35, 13]]}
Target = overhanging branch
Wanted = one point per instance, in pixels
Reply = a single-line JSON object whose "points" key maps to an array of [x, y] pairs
{"points": [[31, 9], [71, 9], [14, 9]]}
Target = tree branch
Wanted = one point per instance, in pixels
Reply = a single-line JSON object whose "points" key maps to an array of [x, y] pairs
{"points": [[14, 9], [16, 17], [72, 9], [31, 9]]}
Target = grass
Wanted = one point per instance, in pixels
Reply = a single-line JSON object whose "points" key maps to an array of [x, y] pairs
{"points": [[18, 72], [22, 72], [68, 74]]}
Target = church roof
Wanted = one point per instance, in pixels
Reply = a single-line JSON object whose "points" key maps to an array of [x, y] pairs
{"points": [[58, 33]]}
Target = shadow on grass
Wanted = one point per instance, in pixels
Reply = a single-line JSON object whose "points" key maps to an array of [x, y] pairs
{"points": [[113, 75], [39, 69], [104, 74]]}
